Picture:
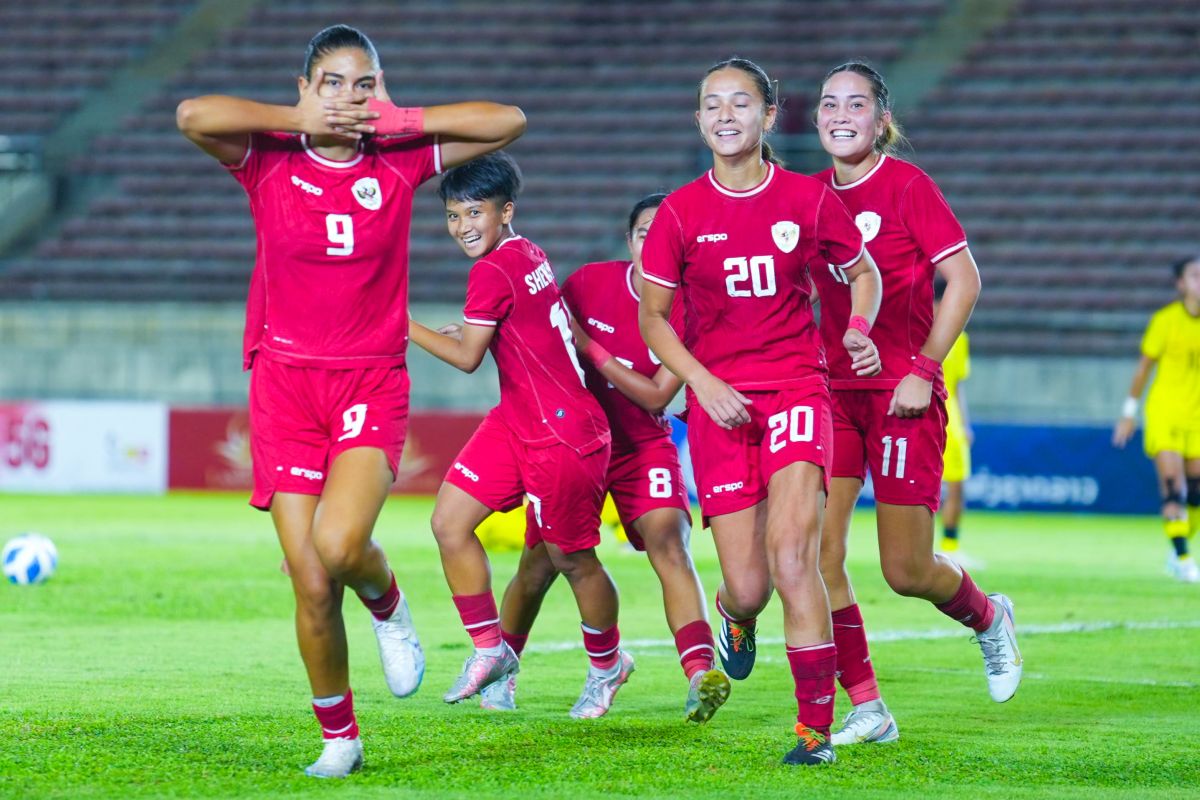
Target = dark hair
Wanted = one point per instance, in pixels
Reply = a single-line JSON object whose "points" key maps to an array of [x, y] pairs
{"points": [[337, 37], [766, 87], [1180, 266], [892, 138], [494, 176], [649, 201]]}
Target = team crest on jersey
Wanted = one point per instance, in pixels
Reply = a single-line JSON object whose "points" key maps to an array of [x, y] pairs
{"points": [[868, 223], [786, 235], [368, 194]]}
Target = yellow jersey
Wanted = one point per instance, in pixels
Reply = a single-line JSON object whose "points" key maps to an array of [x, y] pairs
{"points": [[956, 369], [1173, 340]]}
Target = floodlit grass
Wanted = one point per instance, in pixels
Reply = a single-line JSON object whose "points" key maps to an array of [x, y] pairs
{"points": [[161, 661]]}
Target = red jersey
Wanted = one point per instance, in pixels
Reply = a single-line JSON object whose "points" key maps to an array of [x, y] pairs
{"points": [[330, 282], [542, 396], [741, 260], [908, 228], [603, 300]]}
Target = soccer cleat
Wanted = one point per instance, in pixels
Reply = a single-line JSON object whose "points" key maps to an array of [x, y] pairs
{"points": [[707, 692], [1002, 661], [481, 670], [1183, 569], [339, 758], [501, 695], [867, 722], [812, 749], [601, 687], [400, 651], [735, 643]]}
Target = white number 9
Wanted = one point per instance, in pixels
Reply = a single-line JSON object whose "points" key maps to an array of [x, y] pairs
{"points": [[340, 228]]}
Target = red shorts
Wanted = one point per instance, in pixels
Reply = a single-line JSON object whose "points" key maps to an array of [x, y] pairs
{"points": [[903, 454], [302, 418], [732, 468], [565, 489], [644, 480]]}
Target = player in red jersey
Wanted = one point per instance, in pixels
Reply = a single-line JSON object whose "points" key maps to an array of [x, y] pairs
{"points": [[739, 244], [644, 475], [894, 423], [547, 439], [331, 183]]}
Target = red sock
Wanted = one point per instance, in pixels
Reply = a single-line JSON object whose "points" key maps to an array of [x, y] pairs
{"points": [[741, 623], [812, 670], [696, 647], [383, 607], [602, 646], [854, 670], [969, 606], [337, 721], [480, 618], [514, 640]]}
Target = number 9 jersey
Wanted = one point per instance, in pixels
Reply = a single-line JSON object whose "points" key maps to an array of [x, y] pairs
{"points": [[330, 283], [741, 260]]}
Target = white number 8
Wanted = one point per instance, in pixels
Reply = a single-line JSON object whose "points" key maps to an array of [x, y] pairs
{"points": [[660, 482]]}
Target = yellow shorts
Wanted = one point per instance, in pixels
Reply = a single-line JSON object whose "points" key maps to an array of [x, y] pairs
{"points": [[956, 459], [1164, 435]]}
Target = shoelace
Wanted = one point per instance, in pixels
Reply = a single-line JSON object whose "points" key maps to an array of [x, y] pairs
{"points": [[740, 638], [812, 739], [992, 655]]}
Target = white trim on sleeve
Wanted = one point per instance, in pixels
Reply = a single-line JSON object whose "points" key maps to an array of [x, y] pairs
{"points": [[659, 281], [437, 155], [486, 323], [949, 251], [854, 260], [245, 158]]}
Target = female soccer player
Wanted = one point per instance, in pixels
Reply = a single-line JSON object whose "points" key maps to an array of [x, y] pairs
{"points": [[331, 183], [1172, 343], [894, 423], [644, 475], [738, 244], [547, 439]]}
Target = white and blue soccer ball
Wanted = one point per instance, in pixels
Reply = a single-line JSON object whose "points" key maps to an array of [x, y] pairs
{"points": [[29, 558]]}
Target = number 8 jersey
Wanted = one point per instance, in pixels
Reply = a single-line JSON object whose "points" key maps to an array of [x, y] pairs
{"points": [[742, 261], [330, 283]]}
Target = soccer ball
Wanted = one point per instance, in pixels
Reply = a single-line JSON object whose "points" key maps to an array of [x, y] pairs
{"points": [[29, 558]]}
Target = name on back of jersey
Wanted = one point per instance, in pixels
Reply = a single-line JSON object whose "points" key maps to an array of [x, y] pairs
{"points": [[541, 277]]}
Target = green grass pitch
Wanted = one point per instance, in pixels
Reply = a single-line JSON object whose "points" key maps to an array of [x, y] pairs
{"points": [[160, 661]]}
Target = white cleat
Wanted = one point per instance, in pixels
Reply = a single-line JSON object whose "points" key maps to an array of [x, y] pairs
{"points": [[867, 722], [1183, 569], [1002, 663], [400, 651], [500, 695], [601, 687], [339, 758], [480, 671]]}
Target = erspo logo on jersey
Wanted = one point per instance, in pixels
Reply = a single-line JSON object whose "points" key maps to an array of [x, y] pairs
{"points": [[316, 191], [728, 487], [712, 237], [604, 326], [310, 474], [458, 465]]}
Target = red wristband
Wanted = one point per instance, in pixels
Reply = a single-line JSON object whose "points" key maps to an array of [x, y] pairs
{"points": [[595, 353], [925, 367], [860, 324], [396, 121]]}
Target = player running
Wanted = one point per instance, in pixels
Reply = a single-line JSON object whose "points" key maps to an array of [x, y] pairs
{"points": [[547, 439], [738, 244], [894, 423], [644, 475], [1172, 343], [331, 183]]}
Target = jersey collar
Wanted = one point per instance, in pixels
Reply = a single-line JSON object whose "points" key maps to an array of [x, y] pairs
{"points": [[629, 283], [762, 185], [863, 179], [328, 162]]}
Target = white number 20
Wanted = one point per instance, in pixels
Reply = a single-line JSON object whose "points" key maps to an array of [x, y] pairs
{"points": [[758, 271], [340, 228], [796, 424]]}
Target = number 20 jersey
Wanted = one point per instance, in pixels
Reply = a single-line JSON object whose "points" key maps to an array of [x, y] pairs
{"points": [[741, 260], [330, 283]]}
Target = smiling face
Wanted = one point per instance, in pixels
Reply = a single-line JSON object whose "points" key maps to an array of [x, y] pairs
{"points": [[733, 116], [848, 118], [478, 225]]}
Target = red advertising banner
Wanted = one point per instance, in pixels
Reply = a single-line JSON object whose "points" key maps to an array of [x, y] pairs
{"points": [[210, 449]]}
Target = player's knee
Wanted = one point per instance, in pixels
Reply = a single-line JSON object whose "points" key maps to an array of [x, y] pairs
{"points": [[575, 565], [745, 598], [669, 552], [833, 559], [536, 579], [317, 597], [907, 578], [447, 531]]}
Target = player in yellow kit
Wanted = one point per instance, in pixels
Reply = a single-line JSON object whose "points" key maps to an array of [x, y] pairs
{"points": [[957, 455], [1172, 343]]}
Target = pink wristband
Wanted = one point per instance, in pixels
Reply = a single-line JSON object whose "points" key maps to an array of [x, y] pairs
{"points": [[595, 353], [925, 367], [397, 121], [860, 324]]}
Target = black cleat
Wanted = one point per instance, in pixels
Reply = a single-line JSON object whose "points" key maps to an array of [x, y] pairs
{"points": [[735, 643], [812, 749]]}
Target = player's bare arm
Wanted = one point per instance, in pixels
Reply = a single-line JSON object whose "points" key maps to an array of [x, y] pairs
{"points": [[866, 291], [726, 405], [462, 348], [1127, 424], [653, 394], [911, 398]]}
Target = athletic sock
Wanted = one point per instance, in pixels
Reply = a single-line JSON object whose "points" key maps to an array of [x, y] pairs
{"points": [[1177, 531], [969, 606], [741, 623], [336, 715], [854, 669], [515, 640], [480, 618], [385, 605], [602, 646], [950, 539], [1193, 502], [812, 671], [696, 647]]}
